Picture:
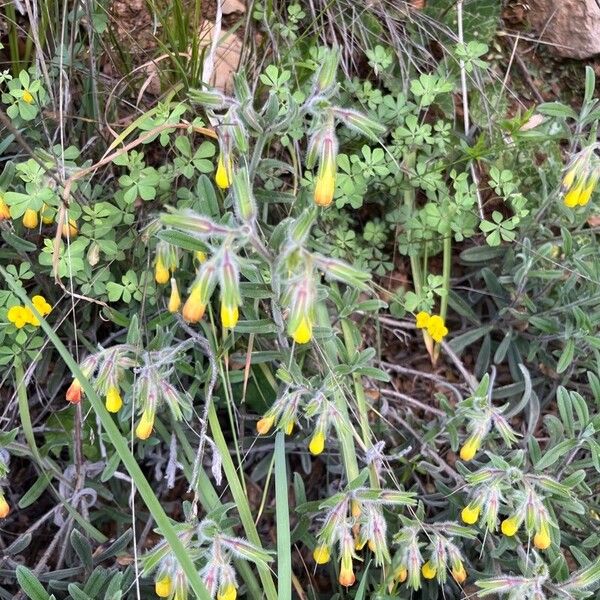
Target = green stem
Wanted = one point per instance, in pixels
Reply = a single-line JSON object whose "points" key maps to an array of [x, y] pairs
{"points": [[344, 429], [240, 499], [361, 401], [121, 447]]}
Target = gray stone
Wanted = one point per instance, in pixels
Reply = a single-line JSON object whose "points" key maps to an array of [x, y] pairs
{"points": [[570, 27]]}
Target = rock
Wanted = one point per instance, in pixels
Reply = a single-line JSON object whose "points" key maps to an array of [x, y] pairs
{"points": [[570, 27]]}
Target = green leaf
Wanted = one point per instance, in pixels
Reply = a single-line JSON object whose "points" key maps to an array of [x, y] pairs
{"points": [[30, 584], [554, 453], [83, 548], [566, 358], [35, 491], [557, 109]]}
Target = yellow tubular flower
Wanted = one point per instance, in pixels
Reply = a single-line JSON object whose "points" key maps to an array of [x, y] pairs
{"points": [[325, 186], [27, 97], [227, 592], [263, 426], [510, 526], [568, 179], [459, 573], [428, 570], [4, 210], [321, 554], [289, 428], [317, 443], [30, 219], [400, 574], [163, 586], [70, 229], [470, 515], [175, 298], [229, 316], [222, 174], [423, 319], [586, 194], [193, 309], [572, 196], [4, 507], [542, 538], [114, 402], [161, 273], [303, 332], [346, 577], [469, 450], [144, 428]]}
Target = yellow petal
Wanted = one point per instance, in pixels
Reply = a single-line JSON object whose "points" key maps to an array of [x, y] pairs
{"points": [[303, 332], [470, 515], [321, 554], [428, 570], [114, 402], [317, 443], [510, 526], [229, 316], [30, 219]]}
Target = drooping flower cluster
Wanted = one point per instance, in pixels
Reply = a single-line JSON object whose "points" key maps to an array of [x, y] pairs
{"points": [[214, 549], [354, 519], [20, 316], [522, 496], [408, 562], [480, 416], [580, 177]]}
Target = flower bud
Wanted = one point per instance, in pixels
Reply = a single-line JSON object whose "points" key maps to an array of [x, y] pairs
{"points": [[230, 294], [321, 554], [245, 205], [114, 402], [346, 577], [342, 271], [400, 574], [4, 507], [30, 219], [359, 122], [211, 99], [224, 172], [175, 298], [161, 273], [325, 76], [326, 174]]}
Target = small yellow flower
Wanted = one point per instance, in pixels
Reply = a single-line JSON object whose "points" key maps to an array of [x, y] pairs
{"points": [[74, 392], [114, 402], [227, 592], [175, 298], [263, 426], [436, 328], [321, 554], [569, 178], [459, 573], [41, 305], [303, 333], [162, 587], [27, 96], [289, 428], [470, 514], [317, 443], [423, 319], [400, 574], [510, 526], [161, 273], [229, 316], [18, 316], [4, 507], [223, 171], [469, 449], [542, 538], [47, 215], [201, 256], [428, 570], [30, 219], [144, 428], [4, 210], [325, 185], [586, 194], [31, 318]]}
